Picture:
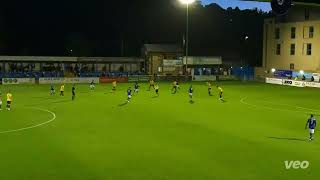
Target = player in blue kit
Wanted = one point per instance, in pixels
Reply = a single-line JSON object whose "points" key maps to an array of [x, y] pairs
{"points": [[129, 93], [92, 86], [190, 93], [73, 92], [311, 124], [52, 90], [136, 87]]}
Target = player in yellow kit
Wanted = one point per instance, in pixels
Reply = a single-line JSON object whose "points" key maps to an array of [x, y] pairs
{"points": [[220, 92], [114, 86], [151, 84], [62, 90], [0, 101], [174, 87], [156, 88], [9, 100], [209, 89]]}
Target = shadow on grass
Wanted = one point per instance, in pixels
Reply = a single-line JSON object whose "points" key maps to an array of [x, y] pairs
{"points": [[46, 103], [191, 102], [155, 97], [123, 104], [58, 102], [45, 98], [223, 101], [288, 139]]}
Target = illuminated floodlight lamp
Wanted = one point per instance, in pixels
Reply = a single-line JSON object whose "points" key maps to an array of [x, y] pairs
{"points": [[301, 72], [273, 70], [187, 1]]}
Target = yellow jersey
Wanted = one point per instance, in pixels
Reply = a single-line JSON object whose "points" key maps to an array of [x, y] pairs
{"points": [[174, 83], [156, 87], [151, 82], [114, 83], [62, 88], [9, 97], [209, 85], [220, 89]]}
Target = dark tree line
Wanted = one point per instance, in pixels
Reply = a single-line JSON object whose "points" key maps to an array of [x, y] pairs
{"points": [[120, 28]]}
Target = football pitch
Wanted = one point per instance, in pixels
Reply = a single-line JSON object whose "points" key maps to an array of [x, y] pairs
{"points": [[101, 137]]}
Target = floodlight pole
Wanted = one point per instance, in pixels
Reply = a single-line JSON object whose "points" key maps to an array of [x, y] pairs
{"points": [[187, 39]]}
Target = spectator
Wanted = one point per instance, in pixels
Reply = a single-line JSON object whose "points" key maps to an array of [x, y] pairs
{"points": [[312, 79]]}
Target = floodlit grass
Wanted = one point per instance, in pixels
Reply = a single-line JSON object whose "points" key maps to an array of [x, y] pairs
{"points": [[99, 136]]}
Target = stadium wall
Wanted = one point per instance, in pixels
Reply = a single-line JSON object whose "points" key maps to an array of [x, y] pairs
{"points": [[288, 82], [11, 81], [104, 80], [68, 80]]}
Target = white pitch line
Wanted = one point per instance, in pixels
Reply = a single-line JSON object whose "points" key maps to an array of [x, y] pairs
{"points": [[34, 126], [275, 109], [298, 107]]}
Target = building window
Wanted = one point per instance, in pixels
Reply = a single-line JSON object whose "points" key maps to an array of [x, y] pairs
{"points": [[293, 33], [292, 49], [311, 31], [291, 66], [277, 33], [308, 32], [306, 14], [278, 49], [307, 49]]}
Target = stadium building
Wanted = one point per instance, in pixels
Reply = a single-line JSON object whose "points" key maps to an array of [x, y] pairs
{"points": [[168, 59], [292, 42], [36, 66], [163, 59]]}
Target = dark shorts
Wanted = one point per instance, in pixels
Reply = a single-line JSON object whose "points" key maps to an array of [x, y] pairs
{"points": [[157, 91], [9, 102]]}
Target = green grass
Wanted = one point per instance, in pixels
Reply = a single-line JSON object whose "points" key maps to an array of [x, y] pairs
{"points": [[166, 138]]}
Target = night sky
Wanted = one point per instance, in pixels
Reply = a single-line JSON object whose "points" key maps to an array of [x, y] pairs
{"points": [[115, 28], [240, 4]]}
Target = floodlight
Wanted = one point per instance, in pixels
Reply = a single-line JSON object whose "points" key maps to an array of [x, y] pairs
{"points": [[187, 1]]}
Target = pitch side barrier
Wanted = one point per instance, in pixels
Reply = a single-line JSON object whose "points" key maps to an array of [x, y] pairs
{"points": [[12, 81], [169, 78], [288, 82], [139, 78], [182, 78], [80, 80]]}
